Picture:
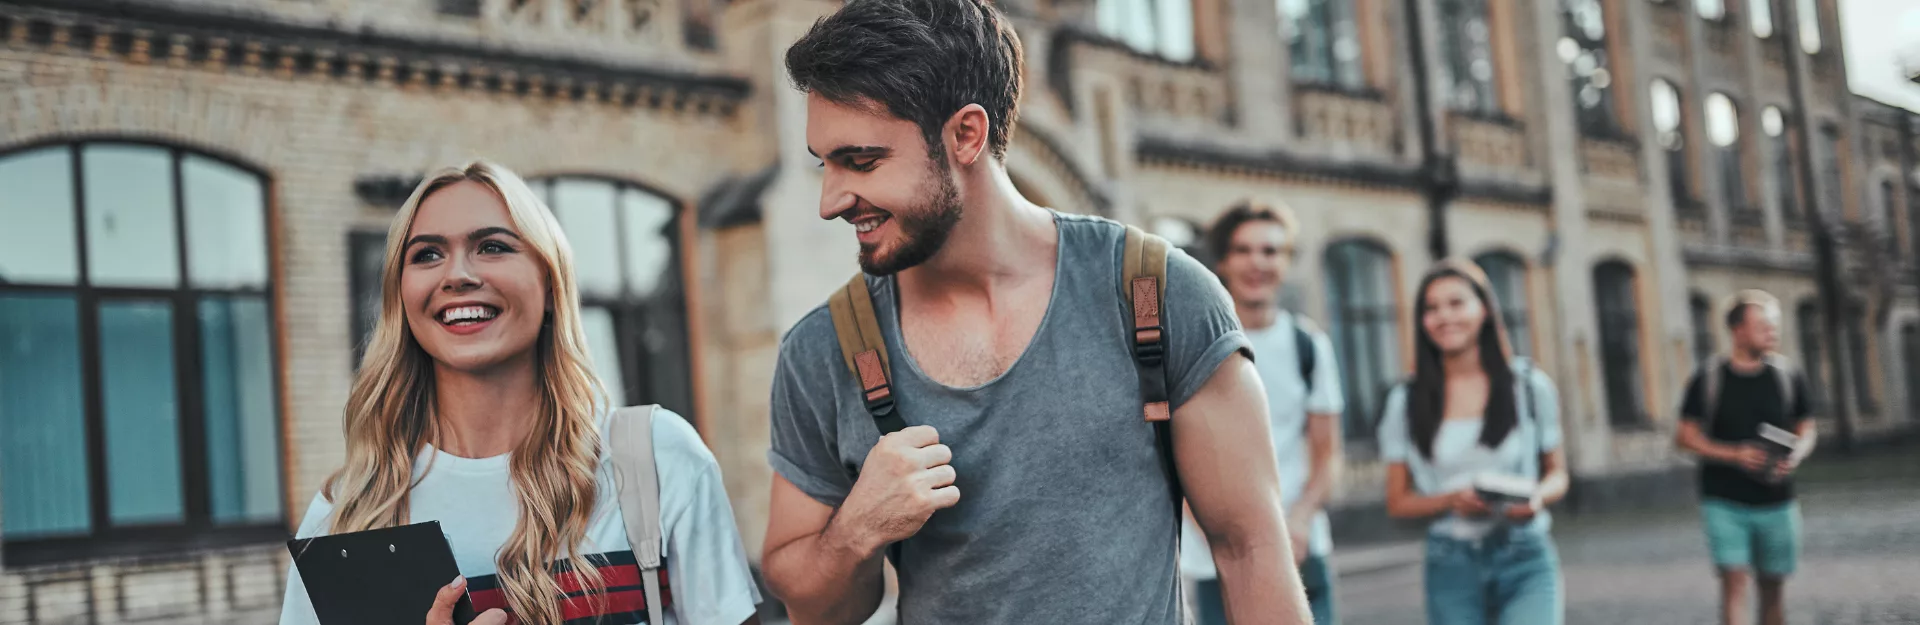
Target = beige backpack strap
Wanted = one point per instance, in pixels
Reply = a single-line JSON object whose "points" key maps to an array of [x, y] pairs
{"points": [[1783, 372], [1143, 281], [1144, 278], [865, 351], [630, 441]]}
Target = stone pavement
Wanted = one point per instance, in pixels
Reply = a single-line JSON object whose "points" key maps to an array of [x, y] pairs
{"points": [[1860, 564]]}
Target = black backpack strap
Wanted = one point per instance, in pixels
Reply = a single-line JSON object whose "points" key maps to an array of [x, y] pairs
{"points": [[865, 351], [1305, 349]]}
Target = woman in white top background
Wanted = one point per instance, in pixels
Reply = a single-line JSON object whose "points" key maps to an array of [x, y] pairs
{"points": [[476, 406], [1473, 413]]}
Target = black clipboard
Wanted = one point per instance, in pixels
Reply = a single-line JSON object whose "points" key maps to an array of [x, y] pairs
{"points": [[376, 577]]}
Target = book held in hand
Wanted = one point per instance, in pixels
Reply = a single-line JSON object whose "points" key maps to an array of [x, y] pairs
{"points": [[1499, 490], [375, 577], [1778, 442]]}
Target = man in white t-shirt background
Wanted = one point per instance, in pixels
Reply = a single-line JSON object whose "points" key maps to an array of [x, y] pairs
{"points": [[1253, 246]]}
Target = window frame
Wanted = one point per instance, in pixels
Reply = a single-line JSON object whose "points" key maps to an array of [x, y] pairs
{"points": [[631, 313], [197, 529], [1679, 165], [1335, 81], [1605, 121], [1706, 341], [1520, 308], [1361, 419], [1158, 45], [1730, 163], [1634, 415], [1452, 50]]}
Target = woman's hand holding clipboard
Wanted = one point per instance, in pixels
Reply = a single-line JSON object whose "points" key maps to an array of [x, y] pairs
{"points": [[450, 596]]}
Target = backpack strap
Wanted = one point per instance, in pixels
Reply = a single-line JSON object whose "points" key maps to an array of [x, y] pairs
{"points": [[630, 441], [865, 351], [1783, 373], [1305, 349], [1143, 280], [1712, 377]]}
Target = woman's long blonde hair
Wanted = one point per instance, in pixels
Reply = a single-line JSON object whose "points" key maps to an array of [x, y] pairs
{"points": [[390, 415]]}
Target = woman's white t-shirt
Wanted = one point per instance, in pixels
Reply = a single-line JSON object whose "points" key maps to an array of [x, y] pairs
{"points": [[704, 567]]}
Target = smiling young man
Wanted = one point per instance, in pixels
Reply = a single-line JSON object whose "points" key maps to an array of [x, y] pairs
{"points": [[1254, 247], [1026, 487]]}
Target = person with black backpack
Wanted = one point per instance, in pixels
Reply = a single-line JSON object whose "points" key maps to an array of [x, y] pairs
{"points": [[1008, 403], [1252, 246], [1745, 417]]}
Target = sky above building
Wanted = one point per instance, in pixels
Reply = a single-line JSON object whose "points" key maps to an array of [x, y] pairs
{"points": [[1883, 45]]}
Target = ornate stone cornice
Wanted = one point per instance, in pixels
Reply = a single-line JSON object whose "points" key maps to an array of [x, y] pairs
{"points": [[144, 33], [1307, 168]]}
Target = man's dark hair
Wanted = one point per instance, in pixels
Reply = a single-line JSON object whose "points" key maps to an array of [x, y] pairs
{"points": [[1220, 234], [923, 60], [1750, 298]]}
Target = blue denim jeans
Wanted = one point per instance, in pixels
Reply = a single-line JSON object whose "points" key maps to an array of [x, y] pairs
{"points": [[1509, 577], [1315, 573]]}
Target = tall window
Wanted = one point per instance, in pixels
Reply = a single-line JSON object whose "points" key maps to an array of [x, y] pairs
{"points": [[137, 397], [1323, 38], [1832, 196], [366, 254], [1710, 9], [1613, 283], [1889, 203], [1812, 358], [1365, 333], [1669, 121], [1723, 131], [626, 253], [1780, 155], [1761, 13], [1509, 277], [1583, 48], [1704, 345], [1910, 354], [1856, 321], [1466, 44], [1159, 27], [1809, 16]]}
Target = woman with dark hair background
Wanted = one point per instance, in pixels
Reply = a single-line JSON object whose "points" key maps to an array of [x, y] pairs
{"points": [[1476, 427]]}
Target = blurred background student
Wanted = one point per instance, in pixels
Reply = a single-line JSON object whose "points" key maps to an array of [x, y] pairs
{"points": [[1473, 412]]}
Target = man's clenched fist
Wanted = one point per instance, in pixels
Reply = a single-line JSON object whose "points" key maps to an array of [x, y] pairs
{"points": [[903, 481]]}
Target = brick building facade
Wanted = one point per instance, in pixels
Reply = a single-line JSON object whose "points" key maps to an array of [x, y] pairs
{"points": [[666, 136]]}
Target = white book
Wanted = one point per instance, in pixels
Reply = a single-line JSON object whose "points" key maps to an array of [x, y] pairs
{"points": [[1778, 441], [1503, 488]]}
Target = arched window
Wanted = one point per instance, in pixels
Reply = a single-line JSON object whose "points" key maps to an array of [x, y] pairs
{"points": [[626, 251], [1159, 27], [137, 386], [1704, 343], [1710, 9], [1669, 121], [1323, 41], [1761, 13], [1360, 294], [1780, 156], [1723, 131], [1613, 284], [1509, 277], [1857, 323], [1809, 15], [1584, 49], [1812, 357], [1466, 46]]}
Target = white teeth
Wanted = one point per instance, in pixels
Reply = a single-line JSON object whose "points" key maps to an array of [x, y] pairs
{"points": [[866, 226], [466, 313]]}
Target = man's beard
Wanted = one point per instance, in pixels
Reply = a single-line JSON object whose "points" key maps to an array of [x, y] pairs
{"points": [[923, 229]]}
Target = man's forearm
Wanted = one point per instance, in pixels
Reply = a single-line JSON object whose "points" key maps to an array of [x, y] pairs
{"points": [[1697, 442], [1258, 581], [827, 578], [1809, 436], [1313, 496]]}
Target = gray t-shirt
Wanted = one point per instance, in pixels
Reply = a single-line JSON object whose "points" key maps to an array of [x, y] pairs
{"points": [[1064, 513]]}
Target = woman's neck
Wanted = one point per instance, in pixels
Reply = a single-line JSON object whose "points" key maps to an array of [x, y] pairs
{"points": [[1463, 363], [485, 414]]}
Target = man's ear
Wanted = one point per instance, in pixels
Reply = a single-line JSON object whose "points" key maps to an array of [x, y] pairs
{"points": [[966, 134]]}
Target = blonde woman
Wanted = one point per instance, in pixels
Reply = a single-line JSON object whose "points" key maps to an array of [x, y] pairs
{"points": [[476, 406]]}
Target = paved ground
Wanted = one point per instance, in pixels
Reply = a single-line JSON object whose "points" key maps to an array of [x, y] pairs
{"points": [[1861, 564]]}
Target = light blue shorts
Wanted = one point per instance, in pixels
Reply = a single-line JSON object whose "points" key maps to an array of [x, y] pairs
{"points": [[1762, 538]]}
